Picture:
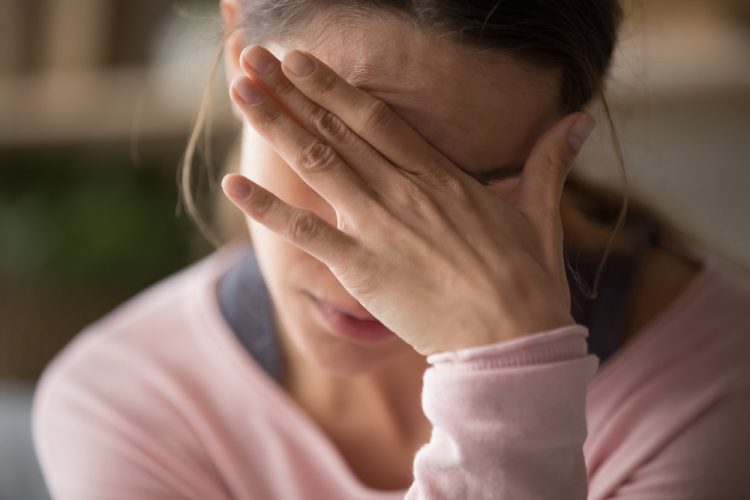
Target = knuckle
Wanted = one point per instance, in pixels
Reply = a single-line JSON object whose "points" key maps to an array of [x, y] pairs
{"points": [[266, 116], [414, 194], [330, 125], [262, 204], [302, 226], [438, 177], [418, 200], [326, 82], [283, 87], [557, 163], [454, 185], [377, 114], [362, 274], [317, 157]]}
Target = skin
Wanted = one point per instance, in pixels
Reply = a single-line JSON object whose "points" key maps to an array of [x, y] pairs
{"points": [[366, 397]]}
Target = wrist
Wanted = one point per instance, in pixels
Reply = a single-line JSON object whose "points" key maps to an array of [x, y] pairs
{"points": [[493, 332]]}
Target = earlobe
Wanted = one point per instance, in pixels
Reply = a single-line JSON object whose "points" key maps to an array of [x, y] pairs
{"points": [[234, 43], [229, 15], [234, 38]]}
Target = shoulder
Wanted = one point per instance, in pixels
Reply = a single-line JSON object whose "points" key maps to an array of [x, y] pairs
{"points": [[723, 316], [706, 318], [153, 327], [666, 416], [705, 460], [111, 407]]}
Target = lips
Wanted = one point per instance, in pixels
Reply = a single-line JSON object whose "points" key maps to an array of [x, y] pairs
{"points": [[351, 323], [356, 313]]}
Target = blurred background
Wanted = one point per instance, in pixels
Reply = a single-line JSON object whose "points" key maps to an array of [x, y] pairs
{"points": [[97, 99]]}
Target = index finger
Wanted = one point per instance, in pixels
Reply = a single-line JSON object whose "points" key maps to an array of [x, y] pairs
{"points": [[370, 118], [316, 163]]}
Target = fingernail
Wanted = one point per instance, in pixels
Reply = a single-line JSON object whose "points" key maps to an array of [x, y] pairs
{"points": [[580, 131], [259, 59], [248, 91], [298, 63], [237, 187]]}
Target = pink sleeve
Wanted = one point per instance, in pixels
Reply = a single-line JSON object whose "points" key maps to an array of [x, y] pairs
{"points": [[509, 420]]}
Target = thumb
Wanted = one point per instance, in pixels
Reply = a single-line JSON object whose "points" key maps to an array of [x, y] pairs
{"points": [[549, 164]]}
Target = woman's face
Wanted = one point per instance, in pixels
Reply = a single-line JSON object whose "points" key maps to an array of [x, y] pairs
{"points": [[479, 109]]}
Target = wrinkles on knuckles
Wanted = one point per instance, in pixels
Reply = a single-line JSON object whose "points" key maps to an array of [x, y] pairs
{"points": [[445, 181], [330, 126], [325, 83], [317, 158], [302, 226], [283, 88], [262, 205], [377, 114], [264, 115], [557, 163], [411, 193]]}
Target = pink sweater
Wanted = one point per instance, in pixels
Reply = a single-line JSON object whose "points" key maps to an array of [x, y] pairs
{"points": [[158, 400]]}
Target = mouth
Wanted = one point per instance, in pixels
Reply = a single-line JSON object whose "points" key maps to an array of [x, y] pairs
{"points": [[349, 323], [359, 312]]}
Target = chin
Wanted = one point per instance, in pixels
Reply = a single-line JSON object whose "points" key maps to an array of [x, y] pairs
{"points": [[340, 356]]}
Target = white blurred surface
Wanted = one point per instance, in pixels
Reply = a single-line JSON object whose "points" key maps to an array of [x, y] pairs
{"points": [[20, 476]]}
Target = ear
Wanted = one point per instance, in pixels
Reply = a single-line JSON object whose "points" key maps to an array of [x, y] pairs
{"points": [[234, 38]]}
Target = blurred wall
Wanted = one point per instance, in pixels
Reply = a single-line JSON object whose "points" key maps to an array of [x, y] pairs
{"points": [[680, 94], [98, 97], [94, 118]]}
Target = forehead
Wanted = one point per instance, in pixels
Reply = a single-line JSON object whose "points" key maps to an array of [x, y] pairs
{"points": [[479, 108]]}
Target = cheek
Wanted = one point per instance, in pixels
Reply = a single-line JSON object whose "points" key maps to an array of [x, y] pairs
{"points": [[262, 165]]}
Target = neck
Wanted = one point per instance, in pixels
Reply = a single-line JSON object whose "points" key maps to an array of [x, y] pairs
{"points": [[386, 400]]}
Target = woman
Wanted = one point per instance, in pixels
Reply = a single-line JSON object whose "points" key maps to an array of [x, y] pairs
{"points": [[404, 324]]}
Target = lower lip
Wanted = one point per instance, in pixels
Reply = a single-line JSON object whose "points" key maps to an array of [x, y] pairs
{"points": [[350, 327]]}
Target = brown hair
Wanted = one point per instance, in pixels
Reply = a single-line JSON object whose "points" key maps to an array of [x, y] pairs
{"points": [[575, 36]]}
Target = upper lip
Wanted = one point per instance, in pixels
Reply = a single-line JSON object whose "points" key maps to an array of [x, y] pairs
{"points": [[357, 312]]}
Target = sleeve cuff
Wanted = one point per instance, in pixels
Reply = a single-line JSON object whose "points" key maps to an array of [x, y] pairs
{"points": [[560, 344]]}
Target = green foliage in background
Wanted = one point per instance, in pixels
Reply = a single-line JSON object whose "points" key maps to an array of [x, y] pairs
{"points": [[95, 219]]}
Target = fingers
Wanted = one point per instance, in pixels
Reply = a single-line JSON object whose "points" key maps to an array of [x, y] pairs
{"points": [[543, 180], [300, 227], [263, 66], [549, 164], [368, 117], [313, 160]]}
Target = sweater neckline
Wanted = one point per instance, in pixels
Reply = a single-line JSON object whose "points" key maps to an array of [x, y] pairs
{"points": [[675, 315]]}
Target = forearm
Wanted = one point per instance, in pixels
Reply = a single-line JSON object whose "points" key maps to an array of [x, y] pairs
{"points": [[508, 419]]}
